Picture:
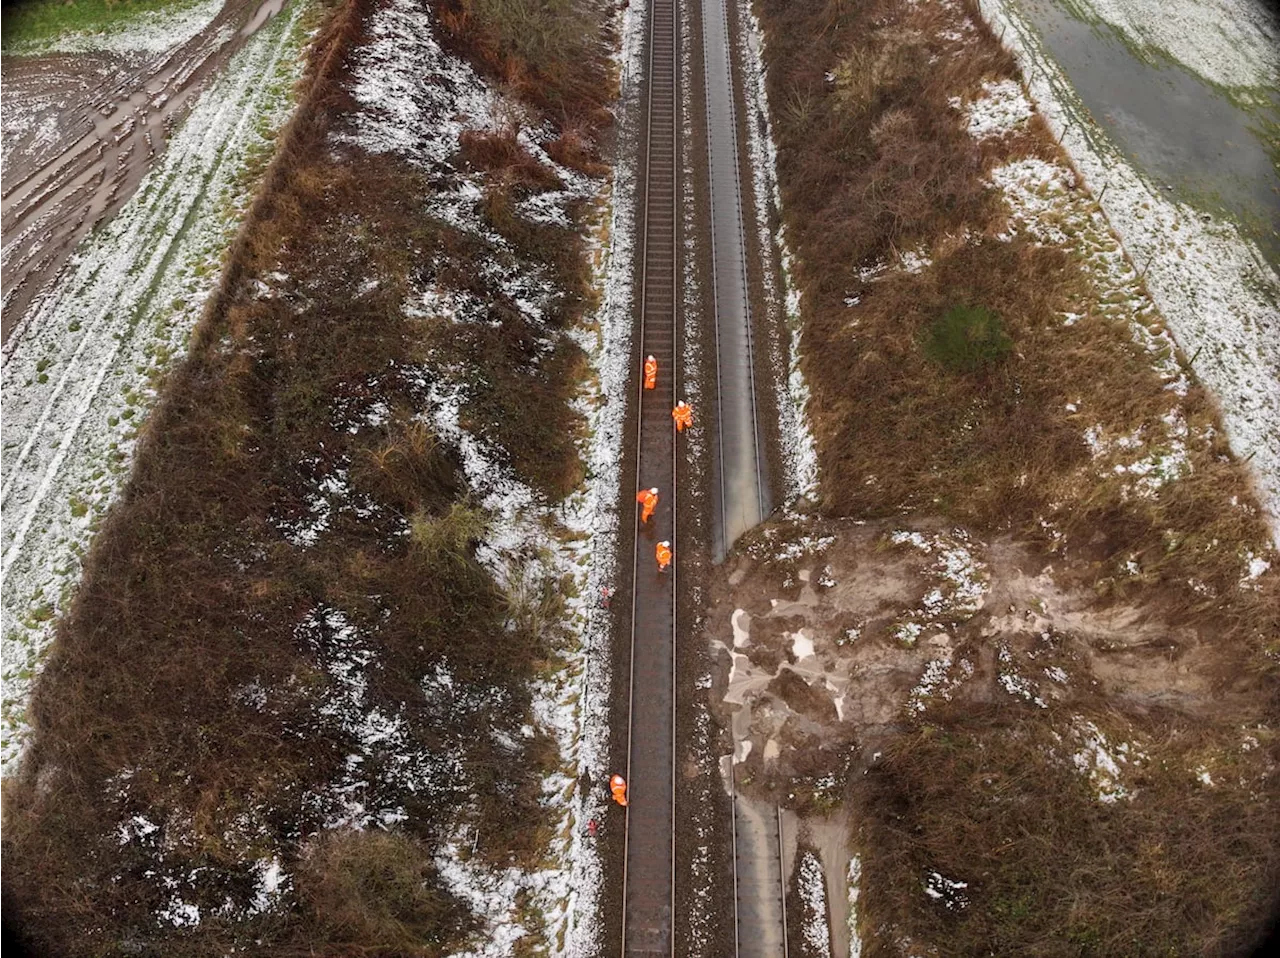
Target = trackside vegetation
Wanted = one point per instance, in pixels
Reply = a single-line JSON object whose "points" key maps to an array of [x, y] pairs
{"points": [[970, 372], [286, 683]]}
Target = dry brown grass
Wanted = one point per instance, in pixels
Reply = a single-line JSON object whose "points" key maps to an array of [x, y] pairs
{"points": [[183, 686], [1050, 870], [548, 52], [875, 163], [376, 892]]}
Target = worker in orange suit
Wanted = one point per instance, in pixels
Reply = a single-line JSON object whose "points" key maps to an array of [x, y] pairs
{"points": [[663, 554], [650, 373], [683, 415], [618, 785], [648, 499]]}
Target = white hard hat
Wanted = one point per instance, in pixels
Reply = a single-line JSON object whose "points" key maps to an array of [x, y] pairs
{"points": [[654, 490], [650, 356], [665, 542]]}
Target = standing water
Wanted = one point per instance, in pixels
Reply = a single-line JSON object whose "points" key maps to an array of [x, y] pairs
{"points": [[1184, 133]]}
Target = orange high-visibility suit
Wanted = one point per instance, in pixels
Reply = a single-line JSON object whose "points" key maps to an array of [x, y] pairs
{"points": [[648, 499], [650, 373], [663, 554], [683, 415], [618, 785]]}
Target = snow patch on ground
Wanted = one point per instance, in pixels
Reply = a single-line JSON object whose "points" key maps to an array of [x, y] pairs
{"points": [[78, 376], [1001, 109], [1213, 287], [814, 928], [29, 127], [1149, 463], [949, 891], [960, 581], [149, 31], [939, 680], [1100, 762], [1013, 682], [388, 753], [417, 101], [855, 890]]}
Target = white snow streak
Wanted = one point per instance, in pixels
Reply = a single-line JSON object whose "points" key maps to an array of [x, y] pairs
{"points": [[77, 378], [1212, 286], [813, 919]]}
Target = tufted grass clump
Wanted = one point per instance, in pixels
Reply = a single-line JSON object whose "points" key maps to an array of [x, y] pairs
{"points": [[966, 339]]}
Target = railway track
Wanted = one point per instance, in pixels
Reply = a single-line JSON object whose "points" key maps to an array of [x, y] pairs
{"points": [[759, 880], [648, 879], [741, 498]]}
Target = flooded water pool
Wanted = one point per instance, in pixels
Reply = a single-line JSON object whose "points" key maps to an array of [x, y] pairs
{"points": [[1181, 131]]}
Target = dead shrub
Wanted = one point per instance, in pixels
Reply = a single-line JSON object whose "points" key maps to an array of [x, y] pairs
{"points": [[380, 891], [499, 151], [574, 148], [890, 54], [408, 469], [551, 52]]}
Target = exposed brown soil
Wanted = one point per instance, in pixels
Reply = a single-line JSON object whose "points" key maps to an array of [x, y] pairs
{"points": [[844, 728], [1131, 654]]}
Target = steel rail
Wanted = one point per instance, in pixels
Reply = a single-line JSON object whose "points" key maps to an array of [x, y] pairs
{"points": [[782, 881], [651, 260]]}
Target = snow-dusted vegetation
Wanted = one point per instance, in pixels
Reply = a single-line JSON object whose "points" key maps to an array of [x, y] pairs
{"points": [[344, 626], [1043, 422], [1216, 296]]}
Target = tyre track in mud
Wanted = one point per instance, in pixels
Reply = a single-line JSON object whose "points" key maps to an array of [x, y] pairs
{"points": [[124, 125], [72, 385]]}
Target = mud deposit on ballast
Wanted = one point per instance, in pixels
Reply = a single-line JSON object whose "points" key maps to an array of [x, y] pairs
{"points": [[834, 636]]}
